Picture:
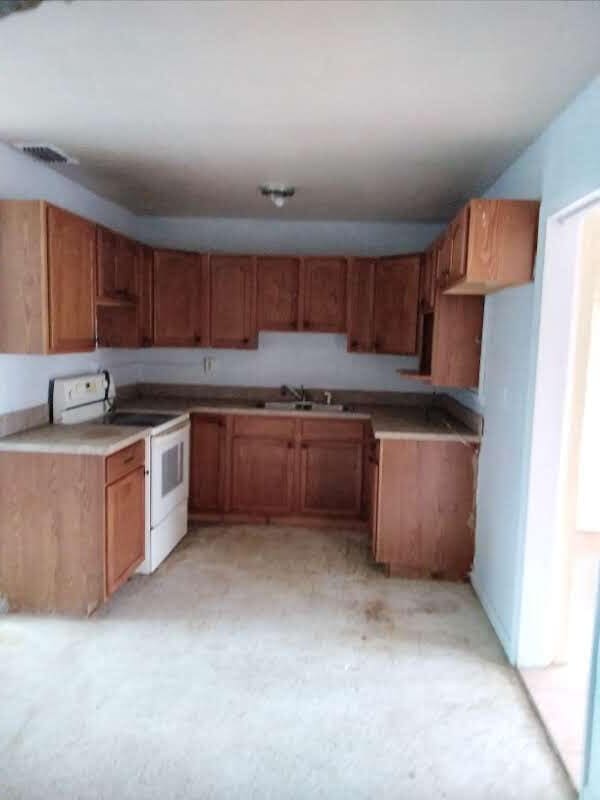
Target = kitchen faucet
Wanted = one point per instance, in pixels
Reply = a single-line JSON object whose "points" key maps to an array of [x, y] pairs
{"points": [[297, 394]]}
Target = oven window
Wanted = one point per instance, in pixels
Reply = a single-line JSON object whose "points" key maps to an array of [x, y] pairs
{"points": [[172, 468]]}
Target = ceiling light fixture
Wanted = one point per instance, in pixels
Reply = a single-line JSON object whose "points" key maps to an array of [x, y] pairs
{"points": [[277, 194]]}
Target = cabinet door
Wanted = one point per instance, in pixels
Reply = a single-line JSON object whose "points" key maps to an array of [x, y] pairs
{"points": [[126, 276], [117, 326], [361, 289], [331, 478], [427, 285], [125, 534], [207, 463], [145, 283], [179, 299], [456, 341], [444, 260], [107, 248], [262, 475], [278, 293], [374, 504], [71, 281], [233, 302], [324, 294], [459, 230], [395, 312]]}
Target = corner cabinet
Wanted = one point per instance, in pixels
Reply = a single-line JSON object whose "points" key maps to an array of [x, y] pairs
{"points": [[47, 279]]}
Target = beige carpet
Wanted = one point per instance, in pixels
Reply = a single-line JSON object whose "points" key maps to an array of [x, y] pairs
{"points": [[268, 663]]}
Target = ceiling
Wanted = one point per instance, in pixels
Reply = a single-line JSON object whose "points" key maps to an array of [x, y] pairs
{"points": [[373, 110]]}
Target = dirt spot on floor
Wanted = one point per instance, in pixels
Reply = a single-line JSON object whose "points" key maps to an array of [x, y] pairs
{"points": [[376, 611]]}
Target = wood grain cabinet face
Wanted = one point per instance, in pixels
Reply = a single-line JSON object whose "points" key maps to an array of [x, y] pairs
{"points": [[207, 463], [458, 234], [395, 314], [427, 283], [71, 281], [361, 295], [233, 301], [324, 294], [116, 256], [278, 293], [180, 313], [125, 534], [331, 478], [444, 260], [262, 475], [426, 501], [145, 295]]}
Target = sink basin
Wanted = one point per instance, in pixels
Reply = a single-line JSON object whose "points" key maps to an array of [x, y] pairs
{"points": [[295, 406]]}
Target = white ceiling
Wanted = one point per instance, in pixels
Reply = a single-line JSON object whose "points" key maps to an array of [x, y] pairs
{"points": [[373, 110]]}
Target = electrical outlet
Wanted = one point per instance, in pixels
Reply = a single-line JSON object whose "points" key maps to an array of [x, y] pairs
{"points": [[209, 363]]}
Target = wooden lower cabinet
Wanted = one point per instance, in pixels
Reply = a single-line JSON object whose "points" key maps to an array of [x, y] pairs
{"points": [[258, 467], [125, 534], [72, 527], [331, 478], [262, 475], [424, 501], [207, 465]]}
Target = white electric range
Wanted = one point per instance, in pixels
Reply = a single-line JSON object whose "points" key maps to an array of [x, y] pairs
{"points": [[91, 398]]}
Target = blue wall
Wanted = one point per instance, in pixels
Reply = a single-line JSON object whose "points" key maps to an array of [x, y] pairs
{"points": [[562, 165]]}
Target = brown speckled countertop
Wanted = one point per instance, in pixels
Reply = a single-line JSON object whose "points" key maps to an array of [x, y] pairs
{"points": [[389, 422], [84, 438]]}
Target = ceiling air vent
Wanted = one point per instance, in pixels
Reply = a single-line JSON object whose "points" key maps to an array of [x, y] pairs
{"points": [[47, 153]]}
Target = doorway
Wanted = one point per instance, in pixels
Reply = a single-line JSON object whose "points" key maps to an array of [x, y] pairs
{"points": [[554, 659]]}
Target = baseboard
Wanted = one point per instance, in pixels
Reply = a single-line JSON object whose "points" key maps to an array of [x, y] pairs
{"points": [[499, 629]]}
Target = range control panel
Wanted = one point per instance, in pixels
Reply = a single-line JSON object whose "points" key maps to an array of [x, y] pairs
{"points": [[85, 389]]}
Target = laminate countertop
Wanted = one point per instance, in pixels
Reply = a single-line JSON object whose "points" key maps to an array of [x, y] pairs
{"points": [[84, 438], [388, 422]]}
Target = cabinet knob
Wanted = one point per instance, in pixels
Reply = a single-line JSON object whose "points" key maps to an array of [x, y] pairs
{"points": [[197, 339], [353, 344], [245, 340], [290, 445], [306, 323]]}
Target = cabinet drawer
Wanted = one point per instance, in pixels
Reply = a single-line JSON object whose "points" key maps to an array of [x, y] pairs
{"points": [[348, 430], [125, 461], [267, 427]]}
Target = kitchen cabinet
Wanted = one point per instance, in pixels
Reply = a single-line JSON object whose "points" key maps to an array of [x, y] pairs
{"points": [[208, 463], [422, 519], [233, 302], [116, 273], [331, 468], [396, 304], [324, 294], [383, 297], [427, 285], [117, 326], [492, 245], [278, 293], [145, 295], [73, 541], [125, 534], [180, 299], [361, 294]]}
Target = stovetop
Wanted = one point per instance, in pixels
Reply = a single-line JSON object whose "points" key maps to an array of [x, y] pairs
{"points": [[138, 419]]}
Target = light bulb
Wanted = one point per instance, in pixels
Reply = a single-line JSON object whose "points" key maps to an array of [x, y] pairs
{"points": [[278, 200]]}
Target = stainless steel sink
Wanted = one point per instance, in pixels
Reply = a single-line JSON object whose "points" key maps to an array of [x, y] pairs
{"points": [[306, 406]]}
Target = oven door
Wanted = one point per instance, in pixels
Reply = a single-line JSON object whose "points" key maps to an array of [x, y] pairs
{"points": [[169, 472]]}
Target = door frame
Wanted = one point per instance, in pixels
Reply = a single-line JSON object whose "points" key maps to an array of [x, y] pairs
{"points": [[545, 543]]}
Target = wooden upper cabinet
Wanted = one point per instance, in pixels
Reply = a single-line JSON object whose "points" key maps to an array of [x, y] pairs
{"points": [[145, 295], [116, 256], [456, 341], [361, 295], [207, 463], [395, 310], [427, 285], [71, 281], [324, 294], [444, 260], [278, 294], [493, 245], [233, 301], [180, 299]]}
